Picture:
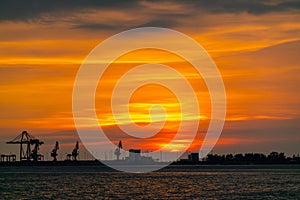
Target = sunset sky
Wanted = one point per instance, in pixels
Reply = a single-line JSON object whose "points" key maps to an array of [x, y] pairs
{"points": [[255, 45]]}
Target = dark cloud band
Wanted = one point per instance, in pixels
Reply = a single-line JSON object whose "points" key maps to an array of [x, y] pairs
{"points": [[19, 10]]}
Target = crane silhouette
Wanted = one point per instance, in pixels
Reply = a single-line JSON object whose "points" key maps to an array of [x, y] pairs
{"points": [[74, 153], [26, 141], [118, 150], [54, 151]]}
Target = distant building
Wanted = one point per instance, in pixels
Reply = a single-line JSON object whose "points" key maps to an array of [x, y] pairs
{"points": [[194, 157], [134, 155]]}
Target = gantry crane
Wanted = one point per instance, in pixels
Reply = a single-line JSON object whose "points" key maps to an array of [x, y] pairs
{"points": [[26, 140], [118, 150], [54, 151]]}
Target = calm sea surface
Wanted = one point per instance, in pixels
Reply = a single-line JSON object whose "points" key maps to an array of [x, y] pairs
{"points": [[175, 182]]}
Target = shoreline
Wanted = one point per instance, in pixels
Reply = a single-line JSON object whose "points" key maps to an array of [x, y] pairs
{"points": [[99, 163]]}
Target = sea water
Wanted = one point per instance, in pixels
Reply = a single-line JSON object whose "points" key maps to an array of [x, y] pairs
{"points": [[174, 182]]}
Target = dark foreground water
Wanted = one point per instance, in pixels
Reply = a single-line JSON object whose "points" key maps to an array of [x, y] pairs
{"points": [[175, 182]]}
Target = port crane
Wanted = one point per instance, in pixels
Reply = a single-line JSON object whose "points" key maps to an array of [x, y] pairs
{"points": [[74, 153], [118, 150], [26, 152], [54, 151]]}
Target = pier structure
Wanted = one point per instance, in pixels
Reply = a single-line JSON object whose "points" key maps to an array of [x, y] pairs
{"points": [[8, 158]]}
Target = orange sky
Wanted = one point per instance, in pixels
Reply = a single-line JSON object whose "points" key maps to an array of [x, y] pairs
{"points": [[254, 44]]}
